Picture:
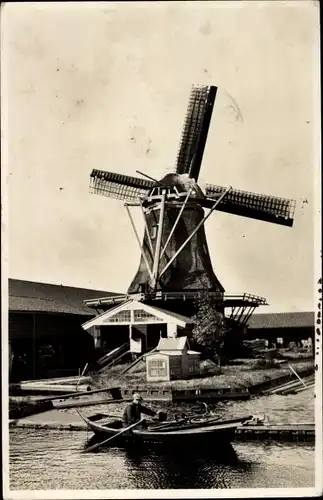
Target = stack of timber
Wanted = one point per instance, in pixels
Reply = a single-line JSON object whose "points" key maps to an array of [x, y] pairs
{"points": [[51, 386], [255, 344], [293, 386], [267, 386], [24, 407], [82, 399], [114, 392], [257, 349]]}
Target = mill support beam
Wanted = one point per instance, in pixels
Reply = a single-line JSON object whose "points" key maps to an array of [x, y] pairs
{"points": [[139, 243], [194, 232], [176, 222], [159, 239], [147, 230]]}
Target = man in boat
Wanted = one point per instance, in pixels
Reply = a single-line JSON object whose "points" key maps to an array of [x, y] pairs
{"points": [[134, 410]]}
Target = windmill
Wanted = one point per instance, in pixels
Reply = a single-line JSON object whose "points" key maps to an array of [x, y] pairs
{"points": [[175, 261]]}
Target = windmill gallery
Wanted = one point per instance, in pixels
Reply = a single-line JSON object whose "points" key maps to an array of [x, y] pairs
{"points": [[175, 265]]}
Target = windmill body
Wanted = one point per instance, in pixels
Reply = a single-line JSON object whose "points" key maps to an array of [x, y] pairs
{"points": [[192, 266], [175, 262]]}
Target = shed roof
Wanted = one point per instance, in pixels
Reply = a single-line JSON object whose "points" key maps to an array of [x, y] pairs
{"points": [[157, 315], [282, 320], [172, 344], [165, 353], [32, 296], [176, 316]]}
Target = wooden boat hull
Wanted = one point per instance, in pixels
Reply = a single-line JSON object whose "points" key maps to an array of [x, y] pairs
{"points": [[206, 433]]}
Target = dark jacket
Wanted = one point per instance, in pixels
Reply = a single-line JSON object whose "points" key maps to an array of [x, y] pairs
{"points": [[133, 413]]}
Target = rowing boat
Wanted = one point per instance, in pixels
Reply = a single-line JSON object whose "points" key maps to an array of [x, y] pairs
{"points": [[209, 431]]}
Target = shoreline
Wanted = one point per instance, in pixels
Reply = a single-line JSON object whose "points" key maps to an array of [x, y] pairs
{"points": [[283, 432], [23, 408], [238, 380], [240, 377]]}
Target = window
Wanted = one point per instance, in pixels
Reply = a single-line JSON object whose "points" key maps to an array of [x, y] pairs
{"points": [[141, 316], [97, 332], [153, 232], [122, 316], [194, 365], [176, 370], [157, 368], [97, 336]]}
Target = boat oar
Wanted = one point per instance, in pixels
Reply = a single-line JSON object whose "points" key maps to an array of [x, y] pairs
{"points": [[97, 445]]}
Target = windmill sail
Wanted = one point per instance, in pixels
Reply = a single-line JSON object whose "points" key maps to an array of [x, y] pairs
{"points": [[122, 187], [195, 130], [252, 205], [174, 251]]}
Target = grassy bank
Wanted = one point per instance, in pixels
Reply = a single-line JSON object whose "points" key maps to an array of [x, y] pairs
{"points": [[242, 375]]}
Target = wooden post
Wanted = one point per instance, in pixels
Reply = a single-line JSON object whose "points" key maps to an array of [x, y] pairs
{"points": [[11, 356], [159, 239], [139, 243], [145, 348], [147, 230], [130, 333], [34, 348], [171, 330], [81, 374]]}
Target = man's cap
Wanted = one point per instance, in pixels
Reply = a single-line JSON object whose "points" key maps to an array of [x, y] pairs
{"points": [[136, 397]]}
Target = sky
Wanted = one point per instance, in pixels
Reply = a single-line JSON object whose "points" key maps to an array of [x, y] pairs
{"points": [[106, 86]]}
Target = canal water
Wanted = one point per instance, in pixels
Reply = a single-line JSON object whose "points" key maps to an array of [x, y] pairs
{"points": [[45, 460]]}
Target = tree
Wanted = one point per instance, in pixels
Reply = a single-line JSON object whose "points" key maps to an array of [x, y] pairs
{"points": [[209, 323]]}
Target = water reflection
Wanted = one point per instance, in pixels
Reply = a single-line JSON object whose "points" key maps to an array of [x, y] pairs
{"points": [[45, 460], [52, 460], [162, 467]]}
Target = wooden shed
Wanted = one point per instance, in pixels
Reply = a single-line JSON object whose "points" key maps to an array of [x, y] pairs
{"points": [[172, 360], [45, 334]]}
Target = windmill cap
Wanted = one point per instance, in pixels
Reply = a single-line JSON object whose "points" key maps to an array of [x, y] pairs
{"points": [[184, 183]]}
